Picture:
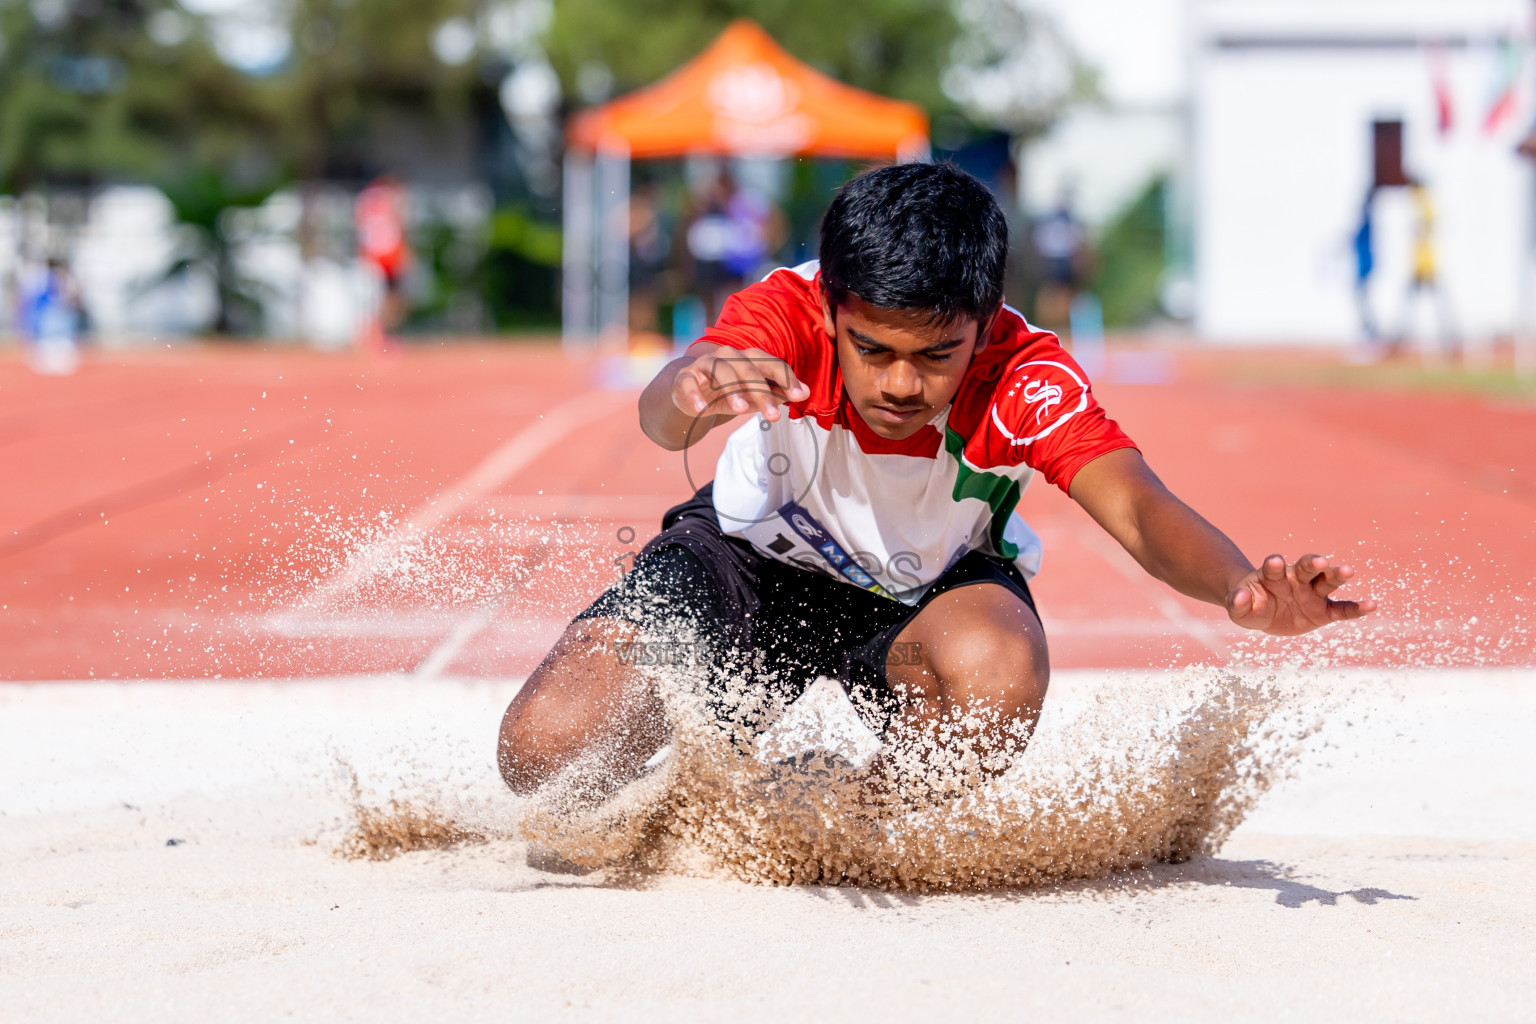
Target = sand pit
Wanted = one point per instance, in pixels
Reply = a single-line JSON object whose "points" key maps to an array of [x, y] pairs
{"points": [[171, 847]]}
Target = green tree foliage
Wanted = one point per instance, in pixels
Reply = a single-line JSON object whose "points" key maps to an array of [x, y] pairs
{"points": [[95, 91], [361, 71], [518, 276], [203, 198], [1131, 259], [87, 94], [895, 47], [1012, 68]]}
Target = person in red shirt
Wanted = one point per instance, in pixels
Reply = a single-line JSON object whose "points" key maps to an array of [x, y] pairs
{"points": [[862, 522], [381, 242]]}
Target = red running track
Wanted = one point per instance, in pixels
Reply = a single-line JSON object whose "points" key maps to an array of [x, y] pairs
{"points": [[240, 513]]}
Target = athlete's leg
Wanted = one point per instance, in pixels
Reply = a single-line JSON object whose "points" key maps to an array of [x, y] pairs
{"points": [[978, 680], [590, 706], [585, 699]]}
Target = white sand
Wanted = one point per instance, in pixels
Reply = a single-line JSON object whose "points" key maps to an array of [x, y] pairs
{"points": [[1392, 877]]}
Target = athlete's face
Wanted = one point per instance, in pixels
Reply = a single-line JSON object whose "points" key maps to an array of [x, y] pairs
{"points": [[898, 371]]}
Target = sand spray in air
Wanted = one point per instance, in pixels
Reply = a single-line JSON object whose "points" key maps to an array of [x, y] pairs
{"points": [[1135, 769], [1143, 770]]}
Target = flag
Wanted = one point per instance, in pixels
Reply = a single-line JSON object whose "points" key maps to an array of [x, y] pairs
{"points": [[1445, 99], [1506, 94]]}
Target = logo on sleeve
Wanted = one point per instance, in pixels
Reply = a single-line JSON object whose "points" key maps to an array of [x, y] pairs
{"points": [[1040, 396], [1045, 396]]}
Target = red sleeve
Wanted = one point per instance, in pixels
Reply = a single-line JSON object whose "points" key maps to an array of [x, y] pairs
{"points": [[780, 315], [1044, 415]]}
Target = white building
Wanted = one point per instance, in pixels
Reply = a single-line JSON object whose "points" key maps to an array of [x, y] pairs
{"points": [[1286, 100], [1104, 155]]}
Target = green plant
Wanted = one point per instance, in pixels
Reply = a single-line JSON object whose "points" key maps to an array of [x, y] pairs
{"points": [[202, 199], [520, 273], [1131, 258]]}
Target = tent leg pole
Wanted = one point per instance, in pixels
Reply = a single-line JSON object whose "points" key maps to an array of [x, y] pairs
{"points": [[578, 313], [1525, 325], [613, 249]]}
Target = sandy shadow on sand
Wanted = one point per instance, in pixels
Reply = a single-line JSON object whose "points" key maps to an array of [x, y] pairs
{"points": [[1262, 874], [1280, 879], [1265, 875], [871, 899], [1289, 891]]}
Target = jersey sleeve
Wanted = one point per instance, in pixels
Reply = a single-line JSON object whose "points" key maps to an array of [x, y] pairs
{"points": [[778, 315], [1044, 415]]}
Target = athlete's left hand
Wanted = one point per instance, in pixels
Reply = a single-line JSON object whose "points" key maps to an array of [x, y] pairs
{"points": [[1291, 599]]}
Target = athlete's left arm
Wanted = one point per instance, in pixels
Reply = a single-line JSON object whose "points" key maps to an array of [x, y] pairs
{"points": [[1176, 545]]}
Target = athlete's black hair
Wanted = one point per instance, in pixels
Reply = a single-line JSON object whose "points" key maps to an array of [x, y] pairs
{"points": [[920, 237]]}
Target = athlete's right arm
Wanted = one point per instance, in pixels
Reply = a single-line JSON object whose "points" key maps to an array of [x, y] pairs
{"points": [[697, 392]]}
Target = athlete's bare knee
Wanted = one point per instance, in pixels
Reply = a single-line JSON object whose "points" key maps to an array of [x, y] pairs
{"points": [[990, 665], [533, 747], [583, 694], [522, 771]]}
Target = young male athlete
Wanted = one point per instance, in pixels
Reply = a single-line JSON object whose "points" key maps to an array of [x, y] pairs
{"points": [[861, 522]]}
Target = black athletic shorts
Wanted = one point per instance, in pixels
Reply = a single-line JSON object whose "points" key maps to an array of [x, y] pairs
{"points": [[794, 624]]}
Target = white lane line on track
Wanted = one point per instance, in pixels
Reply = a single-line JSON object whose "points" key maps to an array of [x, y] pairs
{"points": [[513, 455], [465, 630], [498, 467], [1119, 560], [505, 461]]}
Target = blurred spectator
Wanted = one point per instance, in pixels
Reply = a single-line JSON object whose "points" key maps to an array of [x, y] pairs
{"points": [[732, 234], [382, 245], [1527, 147], [1061, 242], [1365, 265], [648, 248], [49, 314], [1017, 280], [1425, 282]]}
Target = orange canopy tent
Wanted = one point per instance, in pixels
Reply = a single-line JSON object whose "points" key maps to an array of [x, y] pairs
{"points": [[743, 96], [746, 94]]}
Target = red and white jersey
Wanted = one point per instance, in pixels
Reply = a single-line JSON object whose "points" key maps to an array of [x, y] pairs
{"points": [[821, 490], [381, 226]]}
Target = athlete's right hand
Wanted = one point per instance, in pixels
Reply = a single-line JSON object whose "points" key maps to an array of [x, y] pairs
{"points": [[725, 381]]}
